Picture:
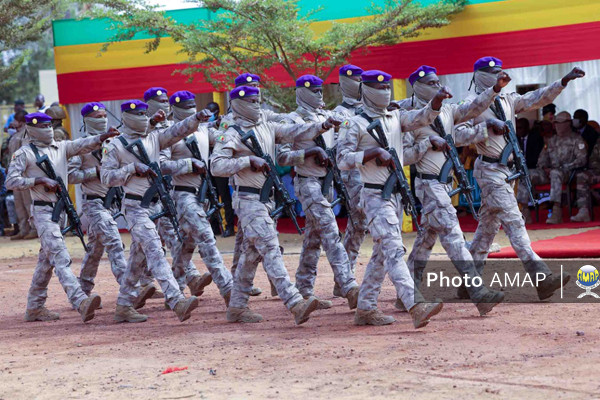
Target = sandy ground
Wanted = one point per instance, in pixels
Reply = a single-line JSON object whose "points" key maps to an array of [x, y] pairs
{"points": [[518, 351]]}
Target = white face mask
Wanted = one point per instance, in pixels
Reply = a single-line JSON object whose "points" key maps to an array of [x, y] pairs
{"points": [[424, 92], [308, 99], [40, 136], [95, 126], [179, 114], [376, 99], [246, 110], [135, 124], [350, 88], [154, 106], [577, 123], [484, 80]]}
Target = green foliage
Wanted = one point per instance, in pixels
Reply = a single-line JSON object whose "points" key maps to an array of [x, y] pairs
{"points": [[263, 35]]}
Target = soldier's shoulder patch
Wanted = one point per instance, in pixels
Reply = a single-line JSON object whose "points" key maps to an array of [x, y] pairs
{"points": [[581, 146], [221, 139], [346, 123], [461, 102], [224, 125]]}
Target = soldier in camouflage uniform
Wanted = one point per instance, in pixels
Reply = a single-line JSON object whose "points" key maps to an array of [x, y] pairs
{"points": [[178, 162], [103, 233], [24, 174], [498, 203], [310, 161], [563, 153], [121, 168], [438, 214], [231, 157], [357, 149], [585, 179], [351, 106]]}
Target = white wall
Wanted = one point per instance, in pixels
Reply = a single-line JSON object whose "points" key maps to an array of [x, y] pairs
{"points": [[48, 85]]}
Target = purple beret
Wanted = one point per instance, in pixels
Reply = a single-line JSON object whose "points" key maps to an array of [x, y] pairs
{"points": [[309, 81], [243, 92], [350, 70], [133, 105], [246, 78], [154, 91], [91, 107], [37, 117], [375, 75], [181, 96], [487, 62], [420, 73]]}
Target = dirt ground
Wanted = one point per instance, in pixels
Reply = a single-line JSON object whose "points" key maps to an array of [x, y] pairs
{"points": [[518, 351]]}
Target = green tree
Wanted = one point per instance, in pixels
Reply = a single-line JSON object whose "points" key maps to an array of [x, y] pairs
{"points": [[257, 35]]}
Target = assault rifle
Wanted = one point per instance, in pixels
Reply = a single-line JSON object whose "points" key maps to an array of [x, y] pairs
{"points": [[63, 202], [397, 179], [463, 187], [206, 187], [114, 196], [273, 180], [161, 185]]}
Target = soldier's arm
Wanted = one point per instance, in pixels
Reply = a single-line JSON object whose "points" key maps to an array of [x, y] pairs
{"points": [[17, 167], [222, 161], [82, 145], [286, 157], [347, 155], [287, 133], [536, 98], [415, 119], [272, 116], [77, 174], [174, 167], [404, 104], [176, 132], [413, 150], [595, 158], [467, 133], [111, 173], [580, 155], [469, 109], [543, 159]]}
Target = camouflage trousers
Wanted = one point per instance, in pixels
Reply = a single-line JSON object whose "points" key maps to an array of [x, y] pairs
{"points": [[383, 217], [53, 255], [146, 242], [438, 218], [237, 247], [357, 229], [103, 234], [167, 234], [260, 244], [499, 207], [538, 176], [23, 210], [584, 180], [196, 231], [321, 230]]}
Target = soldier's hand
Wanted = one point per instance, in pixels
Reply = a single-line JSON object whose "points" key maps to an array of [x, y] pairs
{"points": [[257, 164], [112, 132], [384, 158], [319, 154], [330, 123], [438, 143], [574, 74], [198, 166], [50, 184], [143, 170], [393, 106], [216, 123], [159, 116], [203, 115], [502, 81], [498, 127], [443, 94]]}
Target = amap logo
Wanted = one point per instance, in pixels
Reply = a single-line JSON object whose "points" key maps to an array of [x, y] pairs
{"points": [[588, 279]]}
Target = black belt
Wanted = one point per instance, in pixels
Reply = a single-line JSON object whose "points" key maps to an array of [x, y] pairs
{"points": [[185, 189], [308, 177], [373, 186], [494, 160], [43, 203], [94, 197], [433, 177], [248, 189], [139, 198]]}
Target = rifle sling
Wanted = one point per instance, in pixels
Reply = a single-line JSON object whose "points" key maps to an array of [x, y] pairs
{"points": [[59, 205]]}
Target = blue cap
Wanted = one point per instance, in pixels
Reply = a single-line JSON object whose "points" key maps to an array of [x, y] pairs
{"points": [[180, 97], [375, 75], [308, 81], [91, 107], [154, 91], [350, 70], [243, 92], [485, 62], [422, 71], [36, 118], [246, 78], [130, 105]]}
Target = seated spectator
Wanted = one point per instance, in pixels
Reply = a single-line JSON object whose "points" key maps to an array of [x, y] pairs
{"points": [[585, 179], [595, 125], [2, 198], [565, 152], [19, 105], [589, 134], [548, 112], [531, 142]]}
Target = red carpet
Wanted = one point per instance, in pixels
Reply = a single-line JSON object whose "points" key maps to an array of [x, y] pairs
{"points": [[579, 245]]}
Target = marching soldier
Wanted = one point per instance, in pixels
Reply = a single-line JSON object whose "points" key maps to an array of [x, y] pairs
{"points": [[438, 214], [121, 167], [231, 157], [187, 171], [498, 203], [25, 174], [564, 152], [357, 149], [310, 161]]}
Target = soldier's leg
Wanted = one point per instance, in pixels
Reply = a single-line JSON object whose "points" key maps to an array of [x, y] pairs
{"points": [[538, 177], [244, 277], [418, 257], [557, 177], [237, 248], [53, 245], [38, 290], [91, 260], [309, 258], [489, 224], [357, 229], [583, 179]]}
